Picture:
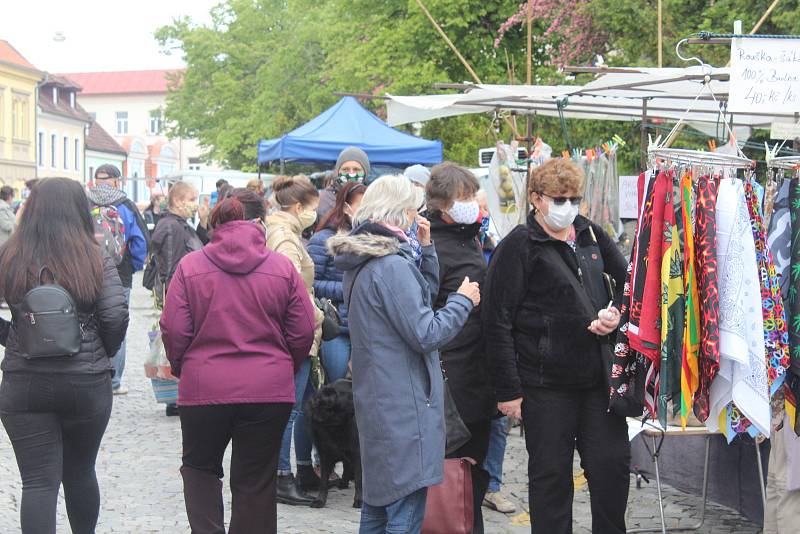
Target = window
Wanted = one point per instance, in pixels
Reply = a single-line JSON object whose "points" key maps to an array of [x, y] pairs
{"points": [[55, 95], [77, 155], [72, 99], [122, 122], [2, 112], [41, 149], [20, 121], [53, 141], [14, 118], [66, 152], [155, 122], [93, 115]]}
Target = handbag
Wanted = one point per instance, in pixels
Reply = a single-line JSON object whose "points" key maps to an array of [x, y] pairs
{"points": [[150, 273], [332, 322], [457, 433], [449, 508]]}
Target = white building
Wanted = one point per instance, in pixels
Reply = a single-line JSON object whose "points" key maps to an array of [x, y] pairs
{"points": [[129, 105], [61, 129]]}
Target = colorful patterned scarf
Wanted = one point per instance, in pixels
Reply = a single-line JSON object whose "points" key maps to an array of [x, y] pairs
{"points": [[673, 312], [706, 258], [690, 374], [646, 336]]}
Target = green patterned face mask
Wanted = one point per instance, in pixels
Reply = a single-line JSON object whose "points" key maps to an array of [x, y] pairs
{"points": [[345, 177]]}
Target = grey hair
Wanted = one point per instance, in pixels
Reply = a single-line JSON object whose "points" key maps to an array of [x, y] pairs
{"points": [[387, 199]]}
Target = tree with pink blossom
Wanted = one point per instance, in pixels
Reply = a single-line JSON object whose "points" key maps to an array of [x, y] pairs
{"points": [[566, 25]]}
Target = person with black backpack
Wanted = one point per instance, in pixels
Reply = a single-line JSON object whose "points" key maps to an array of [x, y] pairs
{"points": [[69, 317], [122, 232]]}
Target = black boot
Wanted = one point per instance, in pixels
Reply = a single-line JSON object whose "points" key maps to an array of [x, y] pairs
{"points": [[172, 410], [307, 478], [290, 493]]}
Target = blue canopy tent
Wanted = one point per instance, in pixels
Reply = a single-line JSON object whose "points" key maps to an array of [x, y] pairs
{"points": [[345, 124]]}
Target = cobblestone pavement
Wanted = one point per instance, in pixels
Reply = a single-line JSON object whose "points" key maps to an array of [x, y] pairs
{"points": [[142, 492]]}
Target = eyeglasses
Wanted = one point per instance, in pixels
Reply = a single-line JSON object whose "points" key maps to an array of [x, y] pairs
{"points": [[560, 201]]}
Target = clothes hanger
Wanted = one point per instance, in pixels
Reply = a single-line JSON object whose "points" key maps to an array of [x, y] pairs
{"points": [[660, 150]]}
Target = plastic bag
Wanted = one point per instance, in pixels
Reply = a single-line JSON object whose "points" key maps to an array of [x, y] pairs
{"points": [[156, 365]]}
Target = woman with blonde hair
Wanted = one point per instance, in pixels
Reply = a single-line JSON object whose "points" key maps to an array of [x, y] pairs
{"points": [[296, 200], [173, 239], [396, 335]]}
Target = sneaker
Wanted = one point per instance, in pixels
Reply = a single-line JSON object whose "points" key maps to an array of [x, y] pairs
{"points": [[497, 501], [122, 390]]}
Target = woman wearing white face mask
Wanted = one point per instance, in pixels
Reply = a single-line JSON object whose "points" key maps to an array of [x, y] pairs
{"points": [[455, 220], [297, 200], [549, 314]]}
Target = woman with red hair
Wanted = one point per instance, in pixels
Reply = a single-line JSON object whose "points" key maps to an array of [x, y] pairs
{"points": [[237, 324]]}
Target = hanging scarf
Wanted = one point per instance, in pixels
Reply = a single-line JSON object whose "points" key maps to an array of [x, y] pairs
{"points": [[706, 258], [628, 366], [645, 330], [780, 237], [673, 306], [776, 337], [742, 376], [690, 374]]}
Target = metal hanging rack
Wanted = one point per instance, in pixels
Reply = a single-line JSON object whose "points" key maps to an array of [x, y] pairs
{"points": [[660, 150]]}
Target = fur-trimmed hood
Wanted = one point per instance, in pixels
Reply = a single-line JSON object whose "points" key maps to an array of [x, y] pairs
{"points": [[350, 251], [367, 241]]}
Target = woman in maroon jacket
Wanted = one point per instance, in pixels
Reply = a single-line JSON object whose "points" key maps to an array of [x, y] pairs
{"points": [[236, 324]]}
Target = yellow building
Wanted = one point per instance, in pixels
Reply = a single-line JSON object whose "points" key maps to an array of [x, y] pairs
{"points": [[18, 81]]}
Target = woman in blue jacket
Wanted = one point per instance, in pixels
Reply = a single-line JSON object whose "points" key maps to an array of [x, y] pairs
{"points": [[328, 279]]}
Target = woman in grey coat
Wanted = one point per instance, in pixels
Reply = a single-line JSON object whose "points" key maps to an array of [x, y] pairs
{"points": [[396, 336]]}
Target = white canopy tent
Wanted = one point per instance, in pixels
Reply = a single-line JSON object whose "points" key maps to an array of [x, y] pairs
{"points": [[619, 95]]}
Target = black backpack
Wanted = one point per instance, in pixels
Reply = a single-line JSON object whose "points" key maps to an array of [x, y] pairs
{"points": [[46, 321]]}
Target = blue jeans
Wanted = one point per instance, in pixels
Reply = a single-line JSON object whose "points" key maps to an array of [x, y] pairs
{"points": [[297, 424], [118, 361], [336, 357], [493, 463], [403, 516]]}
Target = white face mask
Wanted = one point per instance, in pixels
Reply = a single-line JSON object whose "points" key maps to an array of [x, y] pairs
{"points": [[464, 212], [560, 217]]}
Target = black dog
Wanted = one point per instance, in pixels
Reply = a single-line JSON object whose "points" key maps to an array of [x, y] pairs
{"points": [[334, 432]]}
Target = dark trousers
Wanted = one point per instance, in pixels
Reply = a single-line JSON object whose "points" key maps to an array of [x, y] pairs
{"points": [[55, 423], [556, 422], [476, 448], [256, 431]]}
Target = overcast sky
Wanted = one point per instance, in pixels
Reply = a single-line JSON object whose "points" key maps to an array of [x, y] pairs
{"points": [[100, 35]]}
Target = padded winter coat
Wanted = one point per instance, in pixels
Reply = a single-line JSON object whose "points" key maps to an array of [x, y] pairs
{"points": [[327, 277], [397, 379], [104, 327]]}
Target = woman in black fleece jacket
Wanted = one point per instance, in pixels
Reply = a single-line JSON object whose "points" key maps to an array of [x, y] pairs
{"points": [[548, 322]]}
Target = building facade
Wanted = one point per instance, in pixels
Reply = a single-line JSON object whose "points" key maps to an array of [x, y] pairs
{"points": [[130, 105], [62, 125], [18, 81]]}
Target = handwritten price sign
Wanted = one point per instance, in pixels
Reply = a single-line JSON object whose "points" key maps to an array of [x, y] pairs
{"points": [[765, 76]]}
